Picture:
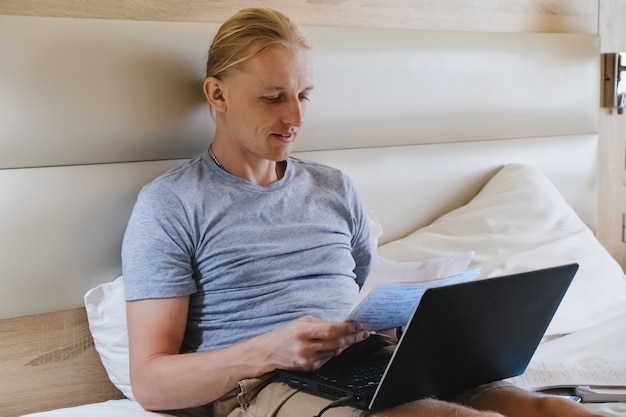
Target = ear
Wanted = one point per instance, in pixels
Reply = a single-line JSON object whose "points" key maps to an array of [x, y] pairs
{"points": [[214, 93]]}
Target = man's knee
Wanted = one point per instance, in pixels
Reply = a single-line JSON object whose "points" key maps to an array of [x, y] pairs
{"points": [[433, 408], [512, 401], [551, 406]]}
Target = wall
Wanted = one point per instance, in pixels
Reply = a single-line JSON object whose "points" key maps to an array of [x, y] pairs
{"points": [[572, 16]]}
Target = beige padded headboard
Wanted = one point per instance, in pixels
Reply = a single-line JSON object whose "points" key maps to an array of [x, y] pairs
{"points": [[90, 110]]}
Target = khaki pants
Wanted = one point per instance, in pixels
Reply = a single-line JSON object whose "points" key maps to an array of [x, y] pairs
{"points": [[266, 396]]}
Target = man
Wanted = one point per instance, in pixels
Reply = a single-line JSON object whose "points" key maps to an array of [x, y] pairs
{"points": [[245, 260]]}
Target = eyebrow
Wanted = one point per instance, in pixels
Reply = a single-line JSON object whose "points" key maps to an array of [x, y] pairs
{"points": [[271, 89]]}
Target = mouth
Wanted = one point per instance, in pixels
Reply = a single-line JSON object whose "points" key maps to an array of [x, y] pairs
{"points": [[285, 137]]}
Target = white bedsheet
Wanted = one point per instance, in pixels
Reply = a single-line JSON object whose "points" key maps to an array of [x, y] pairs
{"points": [[117, 408], [604, 341]]}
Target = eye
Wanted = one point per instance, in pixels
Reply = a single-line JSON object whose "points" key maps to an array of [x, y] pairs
{"points": [[303, 97], [272, 99]]}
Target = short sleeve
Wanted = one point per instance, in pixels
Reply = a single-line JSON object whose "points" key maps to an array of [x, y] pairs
{"points": [[363, 244], [157, 249]]}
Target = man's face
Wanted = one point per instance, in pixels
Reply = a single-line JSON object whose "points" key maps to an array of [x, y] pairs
{"points": [[265, 100]]}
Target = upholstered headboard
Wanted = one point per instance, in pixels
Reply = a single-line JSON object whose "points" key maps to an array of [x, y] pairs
{"points": [[90, 110], [93, 109]]}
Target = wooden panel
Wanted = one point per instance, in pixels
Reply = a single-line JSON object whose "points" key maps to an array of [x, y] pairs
{"points": [[49, 361], [612, 184], [575, 16], [612, 23], [612, 169]]}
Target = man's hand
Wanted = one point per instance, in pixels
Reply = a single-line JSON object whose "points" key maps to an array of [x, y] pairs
{"points": [[307, 343]]}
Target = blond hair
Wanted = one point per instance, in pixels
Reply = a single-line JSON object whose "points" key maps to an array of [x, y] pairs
{"points": [[259, 26]]}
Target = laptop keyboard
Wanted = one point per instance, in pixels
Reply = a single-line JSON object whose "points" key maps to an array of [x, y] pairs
{"points": [[357, 377]]}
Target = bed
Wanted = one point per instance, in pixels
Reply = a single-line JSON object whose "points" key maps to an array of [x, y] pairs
{"points": [[456, 141]]}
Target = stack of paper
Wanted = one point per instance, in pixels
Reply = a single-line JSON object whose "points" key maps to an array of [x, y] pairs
{"points": [[393, 290]]}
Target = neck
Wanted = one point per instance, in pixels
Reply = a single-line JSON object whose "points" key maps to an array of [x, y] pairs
{"points": [[261, 176]]}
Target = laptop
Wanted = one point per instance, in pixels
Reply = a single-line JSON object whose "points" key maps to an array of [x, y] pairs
{"points": [[459, 336]]}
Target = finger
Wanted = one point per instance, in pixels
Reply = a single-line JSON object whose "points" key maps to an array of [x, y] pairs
{"points": [[321, 355], [334, 346], [325, 330]]}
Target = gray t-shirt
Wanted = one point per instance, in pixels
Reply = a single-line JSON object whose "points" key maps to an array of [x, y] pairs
{"points": [[251, 258]]}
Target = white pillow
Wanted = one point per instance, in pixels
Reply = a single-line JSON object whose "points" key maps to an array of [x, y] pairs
{"points": [[106, 312], [519, 222]]}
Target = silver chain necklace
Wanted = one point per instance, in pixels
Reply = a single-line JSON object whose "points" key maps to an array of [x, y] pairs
{"points": [[217, 162], [214, 158]]}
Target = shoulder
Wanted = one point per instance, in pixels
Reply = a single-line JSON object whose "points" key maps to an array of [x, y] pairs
{"points": [[322, 179], [321, 172], [177, 180], [314, 166], [190, 170]]}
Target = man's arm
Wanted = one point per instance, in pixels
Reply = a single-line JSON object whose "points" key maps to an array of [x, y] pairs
{"points": [[164, 379]]}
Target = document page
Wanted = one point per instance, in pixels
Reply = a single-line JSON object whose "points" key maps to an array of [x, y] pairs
{"points": [[539, 376], [390, 304], [393, 289], [416, 271]]}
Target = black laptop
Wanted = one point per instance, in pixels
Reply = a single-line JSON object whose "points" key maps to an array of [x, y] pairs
{"points": [[459, 336]]}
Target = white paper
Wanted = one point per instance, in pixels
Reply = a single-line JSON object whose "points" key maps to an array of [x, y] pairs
{"points": [[416, 271], [544, 375], [390, 304]]}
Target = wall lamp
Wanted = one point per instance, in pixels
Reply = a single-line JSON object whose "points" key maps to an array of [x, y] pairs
{"points": [[614, 85]]}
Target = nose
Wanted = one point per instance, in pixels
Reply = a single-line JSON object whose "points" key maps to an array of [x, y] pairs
{"points": [[293, 114]]}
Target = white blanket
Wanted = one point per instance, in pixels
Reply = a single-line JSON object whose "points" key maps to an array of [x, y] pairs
{"points": [[605, 341]]}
